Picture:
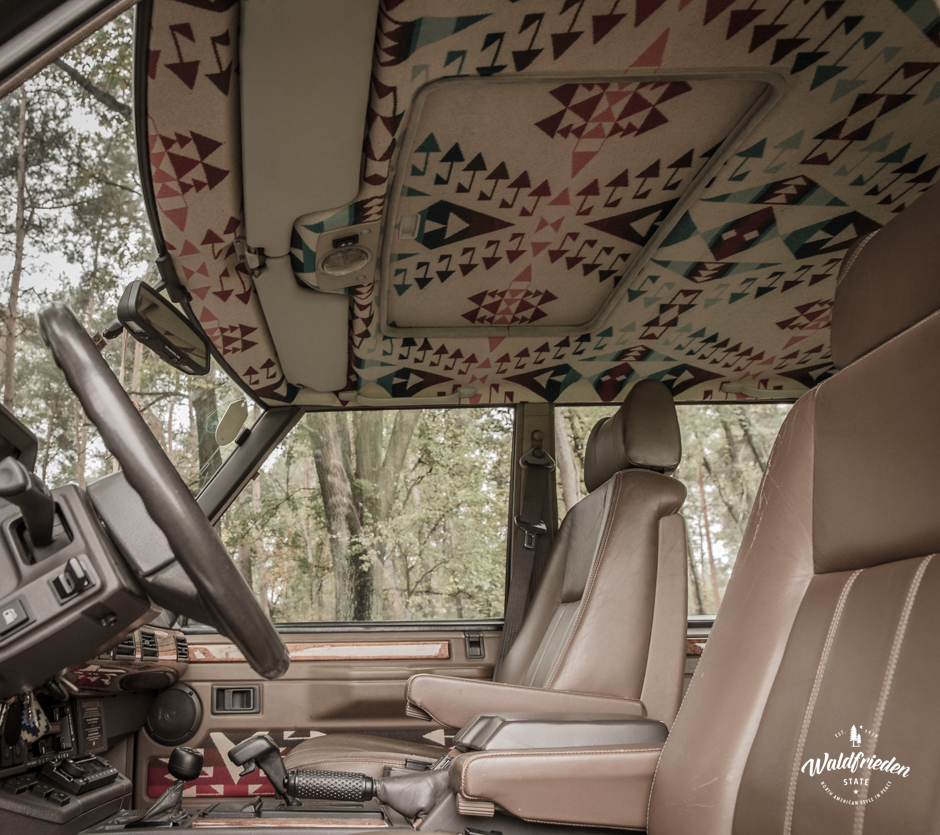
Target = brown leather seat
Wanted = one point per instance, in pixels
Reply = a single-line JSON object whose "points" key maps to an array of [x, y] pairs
{"points": [[823, 655], [833, 609], [608, 617]]}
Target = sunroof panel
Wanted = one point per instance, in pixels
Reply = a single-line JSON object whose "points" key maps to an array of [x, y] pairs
{"points": [[523, 203]]}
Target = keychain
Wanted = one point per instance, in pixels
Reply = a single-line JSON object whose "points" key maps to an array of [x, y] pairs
{"points": [[34, 724]]}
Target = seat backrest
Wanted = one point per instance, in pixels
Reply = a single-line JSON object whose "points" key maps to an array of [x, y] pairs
{"points": [[609, 615], [823, 652]]}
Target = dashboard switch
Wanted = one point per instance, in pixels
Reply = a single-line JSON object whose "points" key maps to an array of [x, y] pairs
{"points": [[74, 580], [13, 615]]}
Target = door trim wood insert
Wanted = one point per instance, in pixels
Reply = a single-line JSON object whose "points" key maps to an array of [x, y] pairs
{"points": [[345, 651]]}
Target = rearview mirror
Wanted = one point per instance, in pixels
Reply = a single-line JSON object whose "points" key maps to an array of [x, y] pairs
{"points": [[154, 322]]}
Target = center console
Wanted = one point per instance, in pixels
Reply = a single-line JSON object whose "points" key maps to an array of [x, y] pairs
{"points": [[469, 789]]}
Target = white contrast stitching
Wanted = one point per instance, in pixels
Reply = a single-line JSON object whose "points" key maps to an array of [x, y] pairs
{"points": [[845, 270], [899, 634], [811, 704], [547, 753]]}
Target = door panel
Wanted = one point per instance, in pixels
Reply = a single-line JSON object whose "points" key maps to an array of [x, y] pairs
{"points": [[338, 682]]}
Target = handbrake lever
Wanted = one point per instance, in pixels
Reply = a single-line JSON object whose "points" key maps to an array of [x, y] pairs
{"points": [[413, 795], [261, 751]]}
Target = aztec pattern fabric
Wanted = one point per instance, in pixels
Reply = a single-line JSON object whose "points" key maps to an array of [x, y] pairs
{"points": [[220, 778], [555, 257], [195, 166], [742, 286]]}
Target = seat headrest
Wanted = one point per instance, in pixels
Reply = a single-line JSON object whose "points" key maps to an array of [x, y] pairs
{"points": [[889, 281], [643, 434]]}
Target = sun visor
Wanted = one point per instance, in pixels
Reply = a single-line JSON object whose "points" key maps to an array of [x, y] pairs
{"points": [[305, 71], [309, 328], [524, 206]]}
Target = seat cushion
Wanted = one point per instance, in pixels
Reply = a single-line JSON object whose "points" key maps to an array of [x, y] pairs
{"points": [[359, 753]]}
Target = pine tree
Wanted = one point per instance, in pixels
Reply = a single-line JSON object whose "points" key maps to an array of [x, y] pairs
{"points": [[855, 737]]}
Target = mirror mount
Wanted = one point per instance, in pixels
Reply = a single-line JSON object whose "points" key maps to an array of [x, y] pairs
{"points": [[158, 325]]}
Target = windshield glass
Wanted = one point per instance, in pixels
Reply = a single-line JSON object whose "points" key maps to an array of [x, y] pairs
{"points": [[74, 229]]}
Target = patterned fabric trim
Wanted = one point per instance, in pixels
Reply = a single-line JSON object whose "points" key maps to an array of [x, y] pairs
{"points": [[740, 289], [220, 778]]}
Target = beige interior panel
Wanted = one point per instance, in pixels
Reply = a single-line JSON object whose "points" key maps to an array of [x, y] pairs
{"points": [[309, 328], [305, 70], [522, 203], [315, 696]]}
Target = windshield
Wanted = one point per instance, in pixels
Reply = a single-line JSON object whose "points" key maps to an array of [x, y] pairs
{"points": [[74, 229]]}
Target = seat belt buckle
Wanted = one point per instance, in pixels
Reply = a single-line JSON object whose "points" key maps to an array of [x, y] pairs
{"points": [[537, 457], [531, 531]]}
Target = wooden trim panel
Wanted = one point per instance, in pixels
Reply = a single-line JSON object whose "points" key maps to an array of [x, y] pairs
{"points": [[346, 651], [299, 821]]}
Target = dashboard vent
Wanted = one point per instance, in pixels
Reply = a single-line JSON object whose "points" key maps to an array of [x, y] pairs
{"points": [[148, 645], [182, 649], [127, 648]]}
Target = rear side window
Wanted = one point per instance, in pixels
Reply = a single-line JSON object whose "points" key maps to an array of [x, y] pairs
{"points": [[725, 447], [379, 516]]}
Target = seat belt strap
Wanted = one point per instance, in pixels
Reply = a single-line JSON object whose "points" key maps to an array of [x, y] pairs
{"points": [[531, 548]]}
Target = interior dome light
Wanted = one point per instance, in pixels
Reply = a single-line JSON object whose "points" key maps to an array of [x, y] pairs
{"points": [[346, 260]]}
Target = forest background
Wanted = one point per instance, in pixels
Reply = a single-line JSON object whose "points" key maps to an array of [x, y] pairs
{"points": [[357, 515]]}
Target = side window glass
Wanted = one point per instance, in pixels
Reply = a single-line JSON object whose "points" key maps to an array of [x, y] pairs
{"points": [[379, 516], [725, 447]]}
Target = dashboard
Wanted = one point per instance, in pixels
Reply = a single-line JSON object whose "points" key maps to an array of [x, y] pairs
{"points": [[106, 697]]}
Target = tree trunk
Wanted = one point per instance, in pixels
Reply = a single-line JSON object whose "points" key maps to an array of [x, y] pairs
{"points": [[204, 403], [138, 363], [89, 321], [567, 466], [47, 445], [752, 442], [260, 555], [169, 431], [243, 556], [9, 342], [696, 583], [337, 501], [395, 453], [708, 541]]}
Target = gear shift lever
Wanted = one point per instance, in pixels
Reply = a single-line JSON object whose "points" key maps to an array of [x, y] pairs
{"points": [[261, 751], [185, 764]]}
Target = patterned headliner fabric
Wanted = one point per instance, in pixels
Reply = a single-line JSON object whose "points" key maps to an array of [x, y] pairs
{"points": [[520, 248], [740, 289]]}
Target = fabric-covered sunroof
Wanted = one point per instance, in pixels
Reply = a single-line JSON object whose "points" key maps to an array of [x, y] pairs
{"points": [[740, 289]]}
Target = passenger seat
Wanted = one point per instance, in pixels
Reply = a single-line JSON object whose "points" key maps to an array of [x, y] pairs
{"points": [[605, 632]]}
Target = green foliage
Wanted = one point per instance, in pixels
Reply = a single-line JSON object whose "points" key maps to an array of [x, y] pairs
{"points": [[357, 515], [434, 546], [86, 236]]}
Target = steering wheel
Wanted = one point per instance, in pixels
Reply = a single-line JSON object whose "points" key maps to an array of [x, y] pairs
{"points": [[194, 542]]}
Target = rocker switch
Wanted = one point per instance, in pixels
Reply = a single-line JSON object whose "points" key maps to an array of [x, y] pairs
{"points": [[74, 580]]}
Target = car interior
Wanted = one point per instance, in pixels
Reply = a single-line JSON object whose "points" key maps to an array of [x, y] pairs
{"points": [[613, 218]]}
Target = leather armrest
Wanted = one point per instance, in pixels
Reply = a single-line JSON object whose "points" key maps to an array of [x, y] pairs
{"points": [[597, 786], [452, 702], [527, 731]]}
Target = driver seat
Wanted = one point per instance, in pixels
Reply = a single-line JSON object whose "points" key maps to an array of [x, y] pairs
{"points": [[824, 649], [832, 613]]}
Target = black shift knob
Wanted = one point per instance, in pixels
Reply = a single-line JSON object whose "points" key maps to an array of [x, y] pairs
{"points": [[185, 763]]}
